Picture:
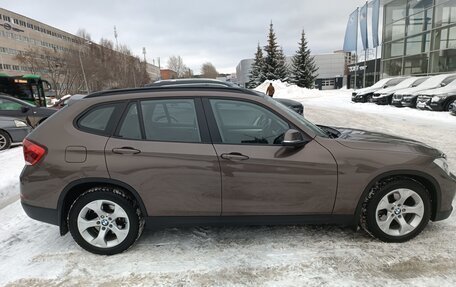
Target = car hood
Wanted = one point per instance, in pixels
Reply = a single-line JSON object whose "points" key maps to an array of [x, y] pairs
{"points": [[288, 102], [367, 140], [367, 90]]}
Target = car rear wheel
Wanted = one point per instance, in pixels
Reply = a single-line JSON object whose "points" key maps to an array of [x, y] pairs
{"points": [[105, 221], [398, 210], [5, 140]]}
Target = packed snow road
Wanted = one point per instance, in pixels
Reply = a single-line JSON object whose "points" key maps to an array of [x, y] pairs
{"points": [[33, 253]]}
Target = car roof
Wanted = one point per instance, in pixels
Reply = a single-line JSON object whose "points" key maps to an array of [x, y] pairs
{"points": [[176, 87]]}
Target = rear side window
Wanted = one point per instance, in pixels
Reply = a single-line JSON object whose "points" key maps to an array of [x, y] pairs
{"points": [[99, 120], [172, 120]]}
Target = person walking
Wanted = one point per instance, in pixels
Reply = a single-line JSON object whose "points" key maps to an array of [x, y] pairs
{"points": [[270, 90]]}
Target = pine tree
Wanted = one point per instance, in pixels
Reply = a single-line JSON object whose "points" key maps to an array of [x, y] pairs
{"points": [[275, 67], [303, 67], [256, 76]]}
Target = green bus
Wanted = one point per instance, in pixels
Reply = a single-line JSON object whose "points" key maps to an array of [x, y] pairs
{"points": [[30, 88]]}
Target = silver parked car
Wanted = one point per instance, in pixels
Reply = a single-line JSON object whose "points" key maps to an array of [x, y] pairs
{"points": [[12, 130]]}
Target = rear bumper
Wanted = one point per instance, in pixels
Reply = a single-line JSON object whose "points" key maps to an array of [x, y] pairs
{"points": [[47, 215]]}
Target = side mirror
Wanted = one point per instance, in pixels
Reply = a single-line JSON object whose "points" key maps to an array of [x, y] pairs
{"points": [[24, 109], [293, 138]]}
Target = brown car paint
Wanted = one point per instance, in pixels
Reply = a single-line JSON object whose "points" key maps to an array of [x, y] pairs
{"points": [[326, 176]]}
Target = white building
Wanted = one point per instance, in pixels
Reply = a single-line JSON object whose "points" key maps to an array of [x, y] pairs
{"points": [[331, 69]]}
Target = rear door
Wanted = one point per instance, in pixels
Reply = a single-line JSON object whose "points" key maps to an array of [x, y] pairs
{"points": [[259, 175], [162, 149]]}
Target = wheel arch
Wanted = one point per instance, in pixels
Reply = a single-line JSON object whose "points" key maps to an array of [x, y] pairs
{"points": [[431, 185], [446, 106], [77, 187]]}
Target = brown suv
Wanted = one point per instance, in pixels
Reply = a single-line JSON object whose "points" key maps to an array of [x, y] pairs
{"points": [[113, 162]]}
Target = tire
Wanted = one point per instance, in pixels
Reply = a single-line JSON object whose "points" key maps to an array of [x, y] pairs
{"points": [[5, 140], [398, 210], [103, 220], [448, 105]]}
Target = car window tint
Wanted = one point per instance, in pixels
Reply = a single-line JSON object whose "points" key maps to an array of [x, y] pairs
{"points": [[246, 123], [7, 105], [170, 120], [97, 119], [130, 128]]}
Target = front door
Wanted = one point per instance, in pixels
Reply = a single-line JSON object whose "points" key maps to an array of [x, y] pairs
{"points": [[13, 109], [259, 175], [163, 150]]}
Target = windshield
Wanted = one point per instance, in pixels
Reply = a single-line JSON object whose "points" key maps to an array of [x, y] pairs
{"points": [[405, 83], [433, 81], [380, 83], [419, 81], [297, 117]]}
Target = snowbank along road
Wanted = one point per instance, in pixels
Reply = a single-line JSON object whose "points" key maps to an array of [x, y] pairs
{"points": [[33, 254]]}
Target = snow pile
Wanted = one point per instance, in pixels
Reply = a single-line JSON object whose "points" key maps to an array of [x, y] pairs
{"points": [[341, 99], [12, 162]]}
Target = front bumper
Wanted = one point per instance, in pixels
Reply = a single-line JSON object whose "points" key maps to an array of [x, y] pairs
{"points": [[436, 106], [411, 103], [381, 100], [41, 214], [397, 103]]}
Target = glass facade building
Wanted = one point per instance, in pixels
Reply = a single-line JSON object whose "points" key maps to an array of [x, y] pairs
{"points": [[419, 37]]}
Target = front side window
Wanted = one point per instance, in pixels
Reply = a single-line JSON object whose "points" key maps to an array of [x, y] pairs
{"points": [[172, 120], [241, 122]]}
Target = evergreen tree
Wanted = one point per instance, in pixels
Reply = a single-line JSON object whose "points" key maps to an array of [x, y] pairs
{"points": [[282, 67], [275, 65], [256, 76], [303, 67]]}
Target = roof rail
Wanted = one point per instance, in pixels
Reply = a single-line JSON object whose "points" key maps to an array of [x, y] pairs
{"points": [[177, 87]]}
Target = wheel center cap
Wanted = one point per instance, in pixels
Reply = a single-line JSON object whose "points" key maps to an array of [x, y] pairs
{"points": [[104, 222], [397, 211]]}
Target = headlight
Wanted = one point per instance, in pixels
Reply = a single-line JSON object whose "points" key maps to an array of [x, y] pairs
{"points": [[19, 124], [443, 164], [439, 98]]}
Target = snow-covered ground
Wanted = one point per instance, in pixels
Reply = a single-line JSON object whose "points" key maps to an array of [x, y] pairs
{"points": [[33, 253]]}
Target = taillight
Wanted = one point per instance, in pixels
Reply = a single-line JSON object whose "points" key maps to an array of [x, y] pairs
{"points": [[33, 152]]}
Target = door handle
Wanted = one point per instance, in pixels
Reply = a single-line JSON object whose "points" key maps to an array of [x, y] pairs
{"points": [[234, 156], [126, 150]]}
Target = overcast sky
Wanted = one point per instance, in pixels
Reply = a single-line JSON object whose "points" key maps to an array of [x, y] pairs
{"points": [[221, 32]]}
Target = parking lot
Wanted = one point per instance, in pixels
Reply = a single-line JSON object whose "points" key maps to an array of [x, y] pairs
{"points": [[33, 254]]}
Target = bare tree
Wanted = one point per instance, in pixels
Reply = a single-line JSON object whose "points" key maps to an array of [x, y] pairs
{"points": [[176, 63], [208, 71]]}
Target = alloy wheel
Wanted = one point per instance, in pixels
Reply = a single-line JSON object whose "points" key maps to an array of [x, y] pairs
{"points": [[400, 212], [3, 141], [103, 223]]}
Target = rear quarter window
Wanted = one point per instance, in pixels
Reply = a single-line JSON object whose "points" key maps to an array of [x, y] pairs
{"points": [[100, 119]]}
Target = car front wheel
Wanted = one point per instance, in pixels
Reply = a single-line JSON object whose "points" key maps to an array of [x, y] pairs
{"points": [[105, 221], [397, 210]]}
